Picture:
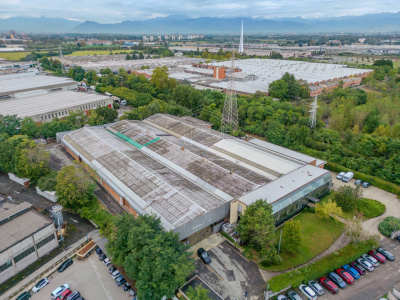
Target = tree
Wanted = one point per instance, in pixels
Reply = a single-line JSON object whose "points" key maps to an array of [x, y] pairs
{"points": [[91, 76], [29, 127], [154, 258], [327, 209], [141, 56], [199, 293], [383, 62], [32, 161], [9, 147], [10, 124], [161, 80], [48, 182], [278, 89], [293, 86], [128, 57], [75, 187], [291, 236], [346, 197], [102, 115], [257, 230]]}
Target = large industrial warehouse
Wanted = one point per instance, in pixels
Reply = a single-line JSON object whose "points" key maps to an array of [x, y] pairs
{"points": [[23, 86], [26, 236], [192, 177], [46, 107]]}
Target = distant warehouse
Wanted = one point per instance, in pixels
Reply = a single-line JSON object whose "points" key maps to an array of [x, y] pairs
{"points": [[25, 86], [46, 107], [193, 177]]}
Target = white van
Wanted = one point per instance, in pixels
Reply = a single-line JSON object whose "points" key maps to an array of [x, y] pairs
{"points": [[348, 176]]}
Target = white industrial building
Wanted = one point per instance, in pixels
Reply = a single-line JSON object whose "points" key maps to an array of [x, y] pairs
{"points": [[45, 108], [28, 85], [193, 177], [25, 236]]}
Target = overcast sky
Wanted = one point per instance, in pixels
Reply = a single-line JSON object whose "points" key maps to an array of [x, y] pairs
{"points": [[112, 11]]}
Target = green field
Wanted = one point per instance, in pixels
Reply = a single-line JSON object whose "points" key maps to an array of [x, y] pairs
{"points": [[396, 63], [317, 236], [97, 52], [13, 55]]}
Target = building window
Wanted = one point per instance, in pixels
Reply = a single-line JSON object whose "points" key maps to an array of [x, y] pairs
{"points": [[24, 254], [52, 115], [239, 208], [62, 113], [45, 241], [48, 116], [41, 117], [5, 266]]}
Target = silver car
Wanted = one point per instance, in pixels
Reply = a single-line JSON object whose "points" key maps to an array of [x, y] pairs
{"points": [[317, 288], [372, 260], [365, 263]]}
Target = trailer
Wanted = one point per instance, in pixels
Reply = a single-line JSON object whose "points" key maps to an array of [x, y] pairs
{"points": [[88, 249]]}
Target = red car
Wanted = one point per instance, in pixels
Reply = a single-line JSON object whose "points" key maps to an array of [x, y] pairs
{"points": [[345, 276], [329, 285], [64, 294], [379, 257]]}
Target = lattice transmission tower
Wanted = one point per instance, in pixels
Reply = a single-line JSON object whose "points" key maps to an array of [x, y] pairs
{"points": [[313, 115], [230, 120]]}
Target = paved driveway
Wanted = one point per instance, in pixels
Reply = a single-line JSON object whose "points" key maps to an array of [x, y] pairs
{"points": [[89, 277], [230, 274]]}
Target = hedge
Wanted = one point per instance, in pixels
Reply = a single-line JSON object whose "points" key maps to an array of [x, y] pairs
{"points": [[370, 208], [375, 181], [322, 267], [387, 226]]}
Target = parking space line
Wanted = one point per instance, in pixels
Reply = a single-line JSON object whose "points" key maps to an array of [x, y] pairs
{"points": [[212, 270], [99, 277]]}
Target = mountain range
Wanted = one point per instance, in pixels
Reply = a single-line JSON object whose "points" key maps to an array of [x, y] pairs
{"points": [[381, 22]]}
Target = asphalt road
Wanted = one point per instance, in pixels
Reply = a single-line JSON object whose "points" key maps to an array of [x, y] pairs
{"points": [[90, 277]]}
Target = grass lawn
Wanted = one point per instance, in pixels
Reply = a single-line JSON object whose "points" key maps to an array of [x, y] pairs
{"points": [[317, 235], [13, 55], [396, 63], [97, 52]]}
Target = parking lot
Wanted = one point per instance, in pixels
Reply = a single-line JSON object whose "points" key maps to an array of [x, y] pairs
{"points": [[230, 274], [90, 277]]}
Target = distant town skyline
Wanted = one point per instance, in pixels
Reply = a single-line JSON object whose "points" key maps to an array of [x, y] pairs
{"points": [[106, 11]]}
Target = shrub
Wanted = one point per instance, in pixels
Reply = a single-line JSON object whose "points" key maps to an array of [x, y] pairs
{"points": [[387, 226], [379, 183], [48, 182], [320, 268], [370, 208]]}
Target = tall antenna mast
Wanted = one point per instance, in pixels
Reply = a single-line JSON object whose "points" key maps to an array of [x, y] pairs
{"points": [[62, 60], [313, 115], [230, 120], [241, 41]]}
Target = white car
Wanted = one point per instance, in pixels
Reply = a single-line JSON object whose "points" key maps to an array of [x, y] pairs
{"points": [[107, 261], [366, 264], [340, 175], [308, 292], [57, 292], [115, 274], [372, 260], [41, 284]]}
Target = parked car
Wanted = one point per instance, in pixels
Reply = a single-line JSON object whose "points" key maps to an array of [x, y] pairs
{"points": [[317, 288], [308, 292], [98, 251], [358, 182], [120, 280], [365, 184], [112, 269], [340, 175], [115, 274], [57, 292], [353, 272], [359, 268], [372, 260], [329, 285], [74, 295], [102, 257], [41, 284], [337, 280], [378, 256], [346, 276], [107, 261], [386, 254], [281, 297], [204, 255], [366, 264], [293, 295], [64, 294], [65, 265], [126, 286], [132, 292], [80, 298], [348, 176], [24, 296]]}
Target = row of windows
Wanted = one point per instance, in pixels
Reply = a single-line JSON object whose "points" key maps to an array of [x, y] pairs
{"points": [[5, 266], [24, 254], [45, 241], [90, 106]]}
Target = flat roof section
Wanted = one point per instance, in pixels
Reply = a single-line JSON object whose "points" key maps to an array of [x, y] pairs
{"points": [[16, 85], [21, 227], [37, 105]]}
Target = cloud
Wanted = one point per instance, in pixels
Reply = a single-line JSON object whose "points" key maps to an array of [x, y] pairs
{"points": [[106, 11]]}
